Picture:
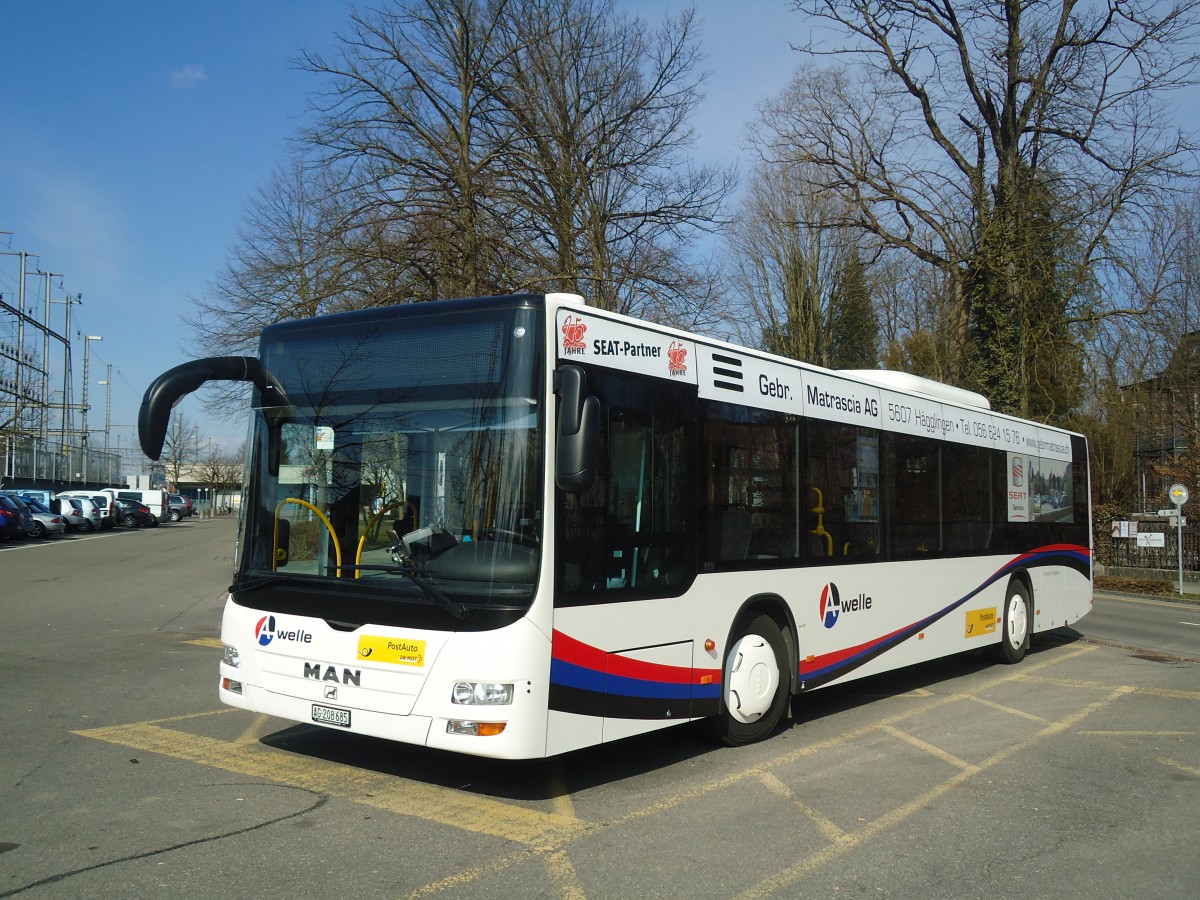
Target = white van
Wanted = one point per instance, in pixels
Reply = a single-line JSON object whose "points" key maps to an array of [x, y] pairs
{"points": [[156, 500]]}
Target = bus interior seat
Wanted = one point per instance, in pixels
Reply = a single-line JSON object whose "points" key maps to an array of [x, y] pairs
{"points": [[734, 527]]}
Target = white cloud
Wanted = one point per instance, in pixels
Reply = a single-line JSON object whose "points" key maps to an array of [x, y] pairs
{"points": [[188, 76]]}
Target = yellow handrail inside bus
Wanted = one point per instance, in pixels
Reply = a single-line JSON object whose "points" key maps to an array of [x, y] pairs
{"points": [[337, 547], [820, 531]]}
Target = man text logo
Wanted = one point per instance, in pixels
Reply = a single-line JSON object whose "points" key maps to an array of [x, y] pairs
{"points": [[330, 673]]}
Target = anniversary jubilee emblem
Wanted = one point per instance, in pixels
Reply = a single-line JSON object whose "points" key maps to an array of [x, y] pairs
{"points": [[573, 331]]}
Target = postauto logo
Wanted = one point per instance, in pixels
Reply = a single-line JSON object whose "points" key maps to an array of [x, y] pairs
{"points": [[832, 606]]}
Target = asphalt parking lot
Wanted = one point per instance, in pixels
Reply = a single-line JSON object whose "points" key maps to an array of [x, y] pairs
{"points": [[1075, 773]]}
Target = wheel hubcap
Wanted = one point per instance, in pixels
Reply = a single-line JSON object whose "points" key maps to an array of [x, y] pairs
{"points": [[752, 679], [1018, 622]]}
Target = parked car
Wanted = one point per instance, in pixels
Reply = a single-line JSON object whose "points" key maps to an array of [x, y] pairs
{"points": [[90, 510], [41, 496], [15, 520], [100, 500], [154, 499], [43, 522], [71, 509], [135, 515], [179, 507]]}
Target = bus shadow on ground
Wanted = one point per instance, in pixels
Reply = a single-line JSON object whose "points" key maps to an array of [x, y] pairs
{"points": [[547, 779], [830, 701], [516, 780]]}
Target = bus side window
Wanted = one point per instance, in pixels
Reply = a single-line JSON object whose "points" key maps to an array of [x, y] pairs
{"points": [[632, 530], [967, 500], [915, 497], [750, 501], [843, 505]]}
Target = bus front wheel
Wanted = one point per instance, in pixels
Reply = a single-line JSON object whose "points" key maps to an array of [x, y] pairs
{"points": [[754, 689], [1015, 629]]}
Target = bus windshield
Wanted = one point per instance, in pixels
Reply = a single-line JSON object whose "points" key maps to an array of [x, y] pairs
{"points": [[407, 464]]}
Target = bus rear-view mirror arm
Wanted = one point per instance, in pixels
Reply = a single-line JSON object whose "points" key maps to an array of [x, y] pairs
{"points": [[175, 384], [578, 423]]}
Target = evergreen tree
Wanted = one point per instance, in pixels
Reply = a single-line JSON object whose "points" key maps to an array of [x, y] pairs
{"points": [[854, 329]]}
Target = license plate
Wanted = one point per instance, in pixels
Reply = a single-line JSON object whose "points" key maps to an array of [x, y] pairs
{"points": [[331, 715]]}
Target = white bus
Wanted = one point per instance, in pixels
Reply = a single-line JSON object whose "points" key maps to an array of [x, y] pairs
{"points": [[517, 526]]}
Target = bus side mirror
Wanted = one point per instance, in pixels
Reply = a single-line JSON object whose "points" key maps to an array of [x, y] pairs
{"points": [[172, 386], [578, 426]]}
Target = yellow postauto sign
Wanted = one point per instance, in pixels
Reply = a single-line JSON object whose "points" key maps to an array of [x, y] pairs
{"points": [[981, 621], [397, 651]]}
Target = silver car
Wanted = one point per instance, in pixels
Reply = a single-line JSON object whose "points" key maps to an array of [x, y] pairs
{"points": [[101, 503], [72, 509], [44, 522]]}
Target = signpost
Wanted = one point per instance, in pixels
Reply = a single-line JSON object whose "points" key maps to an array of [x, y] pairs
{"points": [[1179, 496]]}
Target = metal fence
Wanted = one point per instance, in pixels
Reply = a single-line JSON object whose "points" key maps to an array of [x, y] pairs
{"points": [[28, 460], [1127, 552]]}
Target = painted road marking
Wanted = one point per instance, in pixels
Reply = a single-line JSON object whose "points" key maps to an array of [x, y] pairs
{"points": [[446, 806], [548, 834], [215, 643]]}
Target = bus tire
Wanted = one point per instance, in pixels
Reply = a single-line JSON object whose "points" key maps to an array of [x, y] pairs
{"points": [[1016, 627], [755, 683]]}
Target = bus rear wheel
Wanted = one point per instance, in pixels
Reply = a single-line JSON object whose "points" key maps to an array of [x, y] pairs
{"points": [[754, 688], [1016, 627]]}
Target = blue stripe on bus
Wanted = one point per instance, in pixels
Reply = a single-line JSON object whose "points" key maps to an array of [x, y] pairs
{"points": [[1077, 558], [582, 678]]}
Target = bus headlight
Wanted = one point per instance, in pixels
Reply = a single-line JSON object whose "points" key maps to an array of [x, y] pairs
{"points": [[231, 657], [481, 693]]}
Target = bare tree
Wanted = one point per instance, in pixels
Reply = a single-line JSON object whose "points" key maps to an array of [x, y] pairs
{"points": [[789, 249], [603, 187], [955, 111], [482, 146], [288, 262], [220, 473], [407, 112], [181, 448]]}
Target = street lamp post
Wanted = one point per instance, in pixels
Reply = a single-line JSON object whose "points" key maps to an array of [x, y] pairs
{"points": [[107, 382], [87, 343]]}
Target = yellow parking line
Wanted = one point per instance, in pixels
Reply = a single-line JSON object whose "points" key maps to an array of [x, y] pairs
{"points": [[563, 804], [469, 812], [548, 834], [1167, 692], [927, 747], [1000, 707], [215, 643], [255, 730], [825, 825], [1191, 770], [467, 876], [794, 873], [563, 875]]}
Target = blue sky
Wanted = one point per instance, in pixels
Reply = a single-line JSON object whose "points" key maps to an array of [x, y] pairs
{"points": [[134, 133]]}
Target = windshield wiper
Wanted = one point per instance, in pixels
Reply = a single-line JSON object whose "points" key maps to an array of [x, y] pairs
{"points": [[456, 609]]}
